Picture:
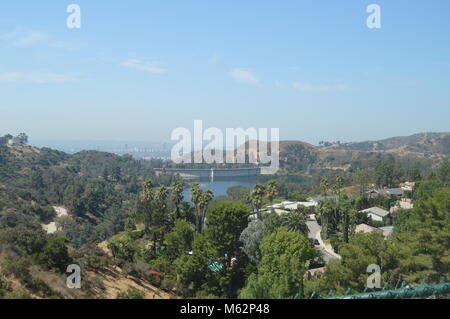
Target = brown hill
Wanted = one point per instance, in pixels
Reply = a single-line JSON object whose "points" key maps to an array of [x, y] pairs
{"points": [[436, 143], [304, 156]]}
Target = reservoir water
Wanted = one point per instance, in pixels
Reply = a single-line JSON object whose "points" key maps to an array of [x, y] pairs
{"points": [[220, 187]]}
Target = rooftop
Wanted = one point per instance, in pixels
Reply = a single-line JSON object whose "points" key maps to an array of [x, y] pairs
{"points": [[292, 205], [387, 230], [320, 197], [364, 228], [388, 191], [376, 211]]}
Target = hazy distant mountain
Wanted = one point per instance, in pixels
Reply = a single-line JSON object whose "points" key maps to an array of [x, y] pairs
{"points": [[434, 143], [138, 149]]}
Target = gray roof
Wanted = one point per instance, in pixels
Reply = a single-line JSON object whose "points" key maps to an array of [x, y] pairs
{"points": [[376, 211], [387, 229], [394, 191], [390, 191], [318, 198]]}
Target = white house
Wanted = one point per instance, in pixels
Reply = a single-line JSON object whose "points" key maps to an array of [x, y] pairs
{"points": [[291, 205], [376, 213]]}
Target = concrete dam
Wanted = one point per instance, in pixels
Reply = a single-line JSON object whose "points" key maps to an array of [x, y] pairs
{"points": [[211, 174]]}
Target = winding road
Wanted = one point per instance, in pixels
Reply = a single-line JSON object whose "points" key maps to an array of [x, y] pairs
{"points": [[314, 233]]}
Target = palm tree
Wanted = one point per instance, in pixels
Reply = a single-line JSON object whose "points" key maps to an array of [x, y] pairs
{"points": [[196, 194], [206, 198], [339, 183], [295, 221], [201, 199], [147, 191], [271, 191], [346, 209], [161, 222], [256, 198], [146, 198], [153, 211], [162, 193], [177, 197], [325, 210], [324, 184]]}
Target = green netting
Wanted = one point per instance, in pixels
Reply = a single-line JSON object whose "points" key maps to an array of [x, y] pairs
{"points": [[402, 293]]}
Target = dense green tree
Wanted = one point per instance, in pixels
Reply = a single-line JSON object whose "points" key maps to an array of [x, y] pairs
{"points": [[271, 221], [388, 172], [361, 178], [117, 174], [105, 174], [153, 211], [285, 257], [414, 173], [179, 241], [30, 241], [193, 269], [424, 235], [54, 255], [124, 248], [237, 193], [443, 173], [225, 222], [351, 272]]}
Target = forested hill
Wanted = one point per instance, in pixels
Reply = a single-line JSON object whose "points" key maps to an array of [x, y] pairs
{"points": [[99, 189], [19, 160], [123, 229]]}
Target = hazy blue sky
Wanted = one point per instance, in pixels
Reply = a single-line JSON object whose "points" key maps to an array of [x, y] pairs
{"points": [[138, 69]]}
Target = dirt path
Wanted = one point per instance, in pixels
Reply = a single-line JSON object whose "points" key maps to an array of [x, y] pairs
{"points": [[51, 228]]}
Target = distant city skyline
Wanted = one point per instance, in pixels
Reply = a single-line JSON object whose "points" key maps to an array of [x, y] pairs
{"points": [[134, 144], [136, 71]]}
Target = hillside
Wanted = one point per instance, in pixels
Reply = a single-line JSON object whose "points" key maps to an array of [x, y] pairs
{"points": [[136, 238], [97, 193], [434, 143], [423, 147]]}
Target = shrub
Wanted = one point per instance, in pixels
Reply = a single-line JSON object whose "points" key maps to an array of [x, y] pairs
{"points": [[40, 287], [54, 255], [131, 293], [169, 285], [18, 294], [17, 267]]}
